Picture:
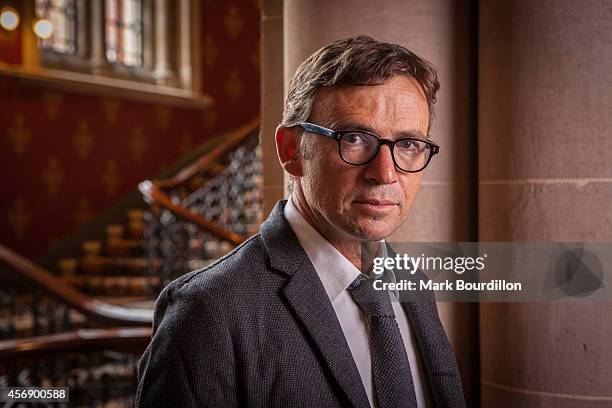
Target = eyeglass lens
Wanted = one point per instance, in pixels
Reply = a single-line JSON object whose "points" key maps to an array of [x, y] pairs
{"points": [[359, 148]]}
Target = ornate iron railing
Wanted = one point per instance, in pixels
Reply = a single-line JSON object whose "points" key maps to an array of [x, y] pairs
{"points": [[34, 302], [205, 211], [98, 365], [53, 335]]}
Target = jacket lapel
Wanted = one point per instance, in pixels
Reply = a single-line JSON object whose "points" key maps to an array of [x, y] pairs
{"points": [[306, 295], [309, 300]]}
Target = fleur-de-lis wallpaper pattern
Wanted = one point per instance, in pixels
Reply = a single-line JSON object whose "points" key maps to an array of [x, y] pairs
{"points": [[65, 157]]}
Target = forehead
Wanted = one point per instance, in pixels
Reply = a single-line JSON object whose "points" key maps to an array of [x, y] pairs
{"points": [[394, 105]]}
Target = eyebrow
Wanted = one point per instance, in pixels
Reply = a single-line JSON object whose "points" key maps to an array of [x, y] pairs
{"points": [[340, 125]]}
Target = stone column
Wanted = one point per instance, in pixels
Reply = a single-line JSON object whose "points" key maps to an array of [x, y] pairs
{"points": [[442, 32], [272, 98], [545, 97]]}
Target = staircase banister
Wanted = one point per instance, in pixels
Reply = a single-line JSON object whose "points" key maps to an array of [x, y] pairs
{"points": [[232, 140], [82, 340], [154, 194], [28, 271]]}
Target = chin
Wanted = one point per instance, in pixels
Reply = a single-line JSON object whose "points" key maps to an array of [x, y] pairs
{"points": [[367, 233]]}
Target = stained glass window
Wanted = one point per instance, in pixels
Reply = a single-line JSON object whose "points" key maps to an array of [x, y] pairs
{"points": [[123, 20], [62, 15]]}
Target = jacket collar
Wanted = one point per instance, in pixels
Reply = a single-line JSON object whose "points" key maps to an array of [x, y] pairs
{"points": [[284, 250]]}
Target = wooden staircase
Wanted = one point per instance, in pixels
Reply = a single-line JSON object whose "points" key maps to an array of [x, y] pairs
{"points": [[116, 270], [113, 268], [86, 324], [53, 335], [127, 265]]}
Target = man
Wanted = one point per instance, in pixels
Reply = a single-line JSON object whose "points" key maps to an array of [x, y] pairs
{"points": [[283, 320]]}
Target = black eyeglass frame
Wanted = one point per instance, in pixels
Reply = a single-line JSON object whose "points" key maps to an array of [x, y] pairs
{"points": [[338, 134]]}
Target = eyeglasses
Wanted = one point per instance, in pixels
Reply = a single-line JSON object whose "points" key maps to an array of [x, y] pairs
{"points": [[358, 147]]}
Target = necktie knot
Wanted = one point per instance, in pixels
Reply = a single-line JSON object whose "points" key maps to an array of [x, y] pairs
{"points": [[370, 296]]}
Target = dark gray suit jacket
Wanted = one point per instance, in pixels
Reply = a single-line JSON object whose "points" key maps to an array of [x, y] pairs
{"points": [[257, 329]]}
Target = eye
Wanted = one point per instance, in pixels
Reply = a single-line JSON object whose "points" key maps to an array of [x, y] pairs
{"points": [[411, 146], [356, 138]]}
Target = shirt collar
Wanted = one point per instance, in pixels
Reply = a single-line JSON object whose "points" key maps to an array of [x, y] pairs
{"points": [[335, 271]]}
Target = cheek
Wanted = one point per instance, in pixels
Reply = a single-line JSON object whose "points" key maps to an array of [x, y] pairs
{"points": [[329, 182], [410, 185], [318, 180]]}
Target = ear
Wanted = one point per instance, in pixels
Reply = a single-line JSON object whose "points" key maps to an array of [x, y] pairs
{"points": [[288, 150]]}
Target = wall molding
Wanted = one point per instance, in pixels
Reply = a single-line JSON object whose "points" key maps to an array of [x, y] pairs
{"points": [[98, 85]]}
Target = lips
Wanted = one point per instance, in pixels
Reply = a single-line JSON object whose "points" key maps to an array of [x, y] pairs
{"points": [[374, 201]]}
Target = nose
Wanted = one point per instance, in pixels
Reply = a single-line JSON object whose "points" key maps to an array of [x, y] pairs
{"points": [[381, 170]]}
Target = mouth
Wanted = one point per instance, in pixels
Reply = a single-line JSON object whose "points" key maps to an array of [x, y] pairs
{"points": [[375, 202], [374, 206]]}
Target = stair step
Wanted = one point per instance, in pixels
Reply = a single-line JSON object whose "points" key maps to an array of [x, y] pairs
{"points": [[68, 266], [136, 229], [126, 301], [93, 265], [92, 247], [115, 265], [117, 246], [136, 214], [113, 285], [115, 230]]}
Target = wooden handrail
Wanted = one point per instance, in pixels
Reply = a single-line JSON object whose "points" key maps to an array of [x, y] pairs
{"points": [[153, 190], [82, 340], [157, 196], [232, 140], [34, 275]]}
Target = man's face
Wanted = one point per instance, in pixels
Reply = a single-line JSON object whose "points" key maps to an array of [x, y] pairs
{"points": [[365, 202]]}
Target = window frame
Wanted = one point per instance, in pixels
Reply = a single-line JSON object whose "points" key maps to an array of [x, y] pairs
{"points": [[170, 57], [77, 61]]}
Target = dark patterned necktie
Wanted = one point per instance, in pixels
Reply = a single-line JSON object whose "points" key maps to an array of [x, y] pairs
{"points": [[390, 367]]}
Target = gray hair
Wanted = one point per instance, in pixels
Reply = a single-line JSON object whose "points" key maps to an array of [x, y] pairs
{"points": [[355, 61]]}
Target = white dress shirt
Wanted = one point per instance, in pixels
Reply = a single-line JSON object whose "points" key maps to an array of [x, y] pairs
{"points": [[336, 273]]}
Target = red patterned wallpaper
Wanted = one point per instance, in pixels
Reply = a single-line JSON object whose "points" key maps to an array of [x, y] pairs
{"points": [[10, 46], [64, 157]]}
